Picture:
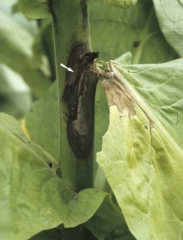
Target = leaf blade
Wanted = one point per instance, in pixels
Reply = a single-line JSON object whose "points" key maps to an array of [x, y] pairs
{"points": [[143, 164]]}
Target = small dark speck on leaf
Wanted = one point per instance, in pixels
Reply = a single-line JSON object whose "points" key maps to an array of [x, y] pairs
{"points": [[136, 43], [146, 127], [50, 165]]}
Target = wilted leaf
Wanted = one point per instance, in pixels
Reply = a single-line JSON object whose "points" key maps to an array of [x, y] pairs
{"points": [[142, 154]]}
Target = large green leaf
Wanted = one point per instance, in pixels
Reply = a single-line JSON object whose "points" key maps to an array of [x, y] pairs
{"points": [[142, 151], [32, 197], [115, 31], [169, 14]]}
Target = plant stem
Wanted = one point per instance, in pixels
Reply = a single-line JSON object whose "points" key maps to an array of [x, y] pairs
{"points": [[70, 29]]}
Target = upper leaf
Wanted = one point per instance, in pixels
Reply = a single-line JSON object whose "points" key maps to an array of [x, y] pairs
{"points": [[170, 17], [122, 30]]}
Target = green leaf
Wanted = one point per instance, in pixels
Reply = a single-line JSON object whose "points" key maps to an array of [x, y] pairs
{"points": [[35, 9], [11, 126], [42, 122], [83, 207], [32, 197], [169, 14], [121, 3], [142, 154], [134, 30]]}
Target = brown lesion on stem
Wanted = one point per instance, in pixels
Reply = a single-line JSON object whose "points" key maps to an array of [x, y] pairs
{"points": [[79, 95]]}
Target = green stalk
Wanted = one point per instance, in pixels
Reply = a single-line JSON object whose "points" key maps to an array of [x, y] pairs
{"points": [[70, 28]]}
